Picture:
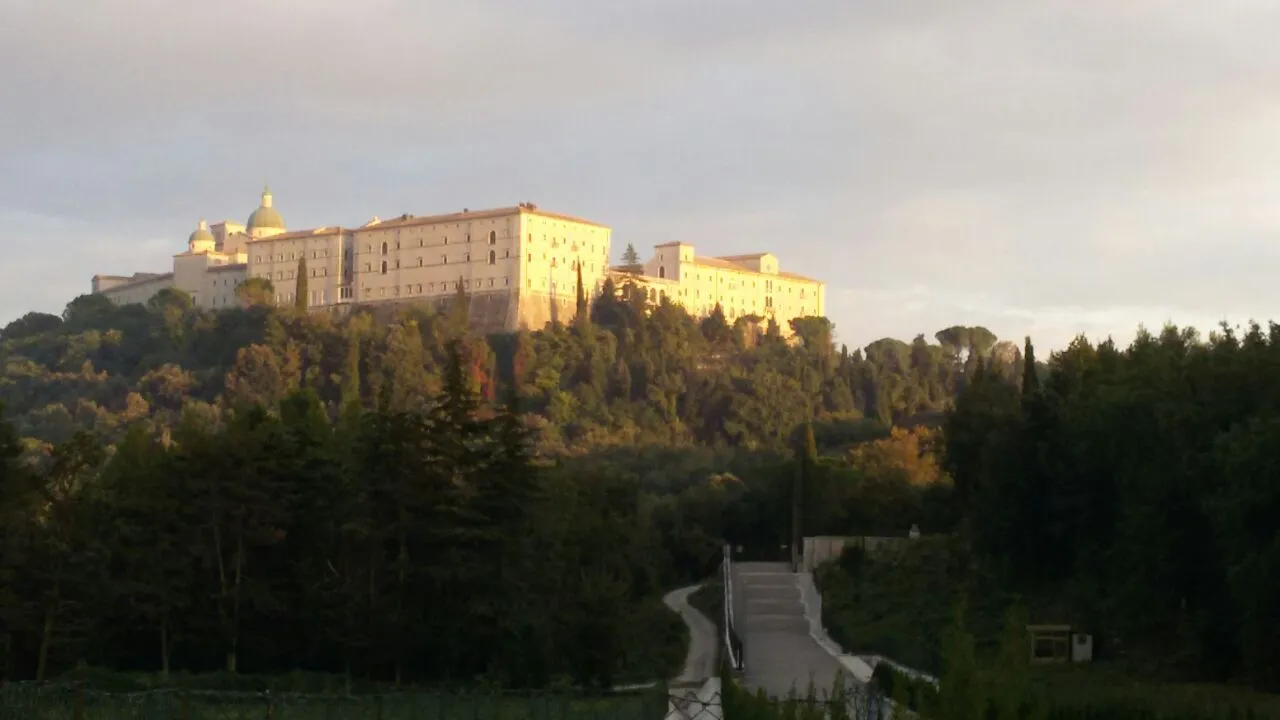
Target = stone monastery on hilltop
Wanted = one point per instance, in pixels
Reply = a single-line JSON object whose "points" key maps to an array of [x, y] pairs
{"points": [[519, 265]]}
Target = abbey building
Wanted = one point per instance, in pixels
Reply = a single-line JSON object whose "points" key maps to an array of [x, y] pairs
{"points": [[518, 265]]}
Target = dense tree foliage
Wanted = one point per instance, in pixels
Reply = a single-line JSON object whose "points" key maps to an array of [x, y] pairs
{"points": [[632, 373], [1138, 490], [259, 489], [422, 543]]}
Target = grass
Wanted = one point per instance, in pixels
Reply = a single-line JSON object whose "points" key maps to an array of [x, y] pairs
{"points": [[660, 645], [901, 608], [1112, 685], [66, 703]]}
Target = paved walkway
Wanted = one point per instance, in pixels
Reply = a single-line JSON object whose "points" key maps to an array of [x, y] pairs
{"points": [[695, 694], [700, 664], [780, 653]]}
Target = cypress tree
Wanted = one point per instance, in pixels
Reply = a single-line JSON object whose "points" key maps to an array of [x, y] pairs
{"points": [[808, 455], [461, 311], [582, 313], [300, 298], [351, 378], [1030, 379]]}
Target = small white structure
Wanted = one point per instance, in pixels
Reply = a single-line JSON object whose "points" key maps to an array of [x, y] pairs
{"points": [[1081, 647]]}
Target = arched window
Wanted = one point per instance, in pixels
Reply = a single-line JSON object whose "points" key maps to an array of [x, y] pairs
{"points": [[384, 248], [493, 257], [384, 267], [493, 237], [662, 272]]}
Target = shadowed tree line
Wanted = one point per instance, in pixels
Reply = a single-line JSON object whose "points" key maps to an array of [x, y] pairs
{"points": [[421, 543], [259, 489], [1138, 489]]}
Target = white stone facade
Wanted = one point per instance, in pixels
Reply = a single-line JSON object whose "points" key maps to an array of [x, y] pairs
{"points": [[520, 262]]}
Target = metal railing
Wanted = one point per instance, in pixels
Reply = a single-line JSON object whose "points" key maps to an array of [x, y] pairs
{"points": [[730, 628]]}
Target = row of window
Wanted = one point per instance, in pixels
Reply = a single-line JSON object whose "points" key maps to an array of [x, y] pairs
{"points": [[418, 289], [768, 284], [493, 240], [281, 257], [386, 265], [289, 274]]}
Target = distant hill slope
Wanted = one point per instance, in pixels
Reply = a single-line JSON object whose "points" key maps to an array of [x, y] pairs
{"points": [[633, 374]]}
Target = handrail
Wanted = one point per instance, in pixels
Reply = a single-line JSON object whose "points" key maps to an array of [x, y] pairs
{"points": [[729, 630]]}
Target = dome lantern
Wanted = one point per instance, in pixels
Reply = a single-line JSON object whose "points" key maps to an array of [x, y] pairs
{"points": [[202, 241], [266, 219]]}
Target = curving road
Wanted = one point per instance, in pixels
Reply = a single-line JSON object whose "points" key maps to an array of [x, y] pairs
{"points": [[700, 664]]}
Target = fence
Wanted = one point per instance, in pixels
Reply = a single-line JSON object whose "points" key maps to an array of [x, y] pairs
{"points": [[732, 641], [23, 701], [735, 703]]}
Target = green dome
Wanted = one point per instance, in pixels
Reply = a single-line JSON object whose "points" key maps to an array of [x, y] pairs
{"points": [[265, 216], [201, 235]]}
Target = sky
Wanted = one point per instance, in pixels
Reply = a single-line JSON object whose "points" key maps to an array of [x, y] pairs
{"points": [[1042, 168]]}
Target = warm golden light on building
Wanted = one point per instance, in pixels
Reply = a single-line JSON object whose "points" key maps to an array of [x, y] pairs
{"points": [[520, 265]]}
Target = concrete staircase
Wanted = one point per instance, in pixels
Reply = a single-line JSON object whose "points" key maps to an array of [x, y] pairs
{"points": [[769, 599]]}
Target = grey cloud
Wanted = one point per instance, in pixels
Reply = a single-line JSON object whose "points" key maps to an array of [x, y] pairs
{"points": [[1055, 167]]}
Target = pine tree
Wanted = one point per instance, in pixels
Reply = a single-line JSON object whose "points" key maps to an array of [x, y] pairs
{"points": [[301, 299], [460, 312], [808, 456], [582, 311], [351, 377], [959, 693], [630, 257], [1030, 379]]}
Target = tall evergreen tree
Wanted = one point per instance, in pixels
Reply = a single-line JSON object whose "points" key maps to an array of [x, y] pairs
{"points": [[302, 299], [807, 455], [582, 313], [460, 310], [351, 375], [1030, 376], [630, 257]]}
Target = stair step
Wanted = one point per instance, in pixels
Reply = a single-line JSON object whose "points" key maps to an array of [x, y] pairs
{"points": [[789, 623]]}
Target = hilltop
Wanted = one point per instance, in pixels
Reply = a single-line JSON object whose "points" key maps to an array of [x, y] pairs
{"points": [[636, 373]]}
